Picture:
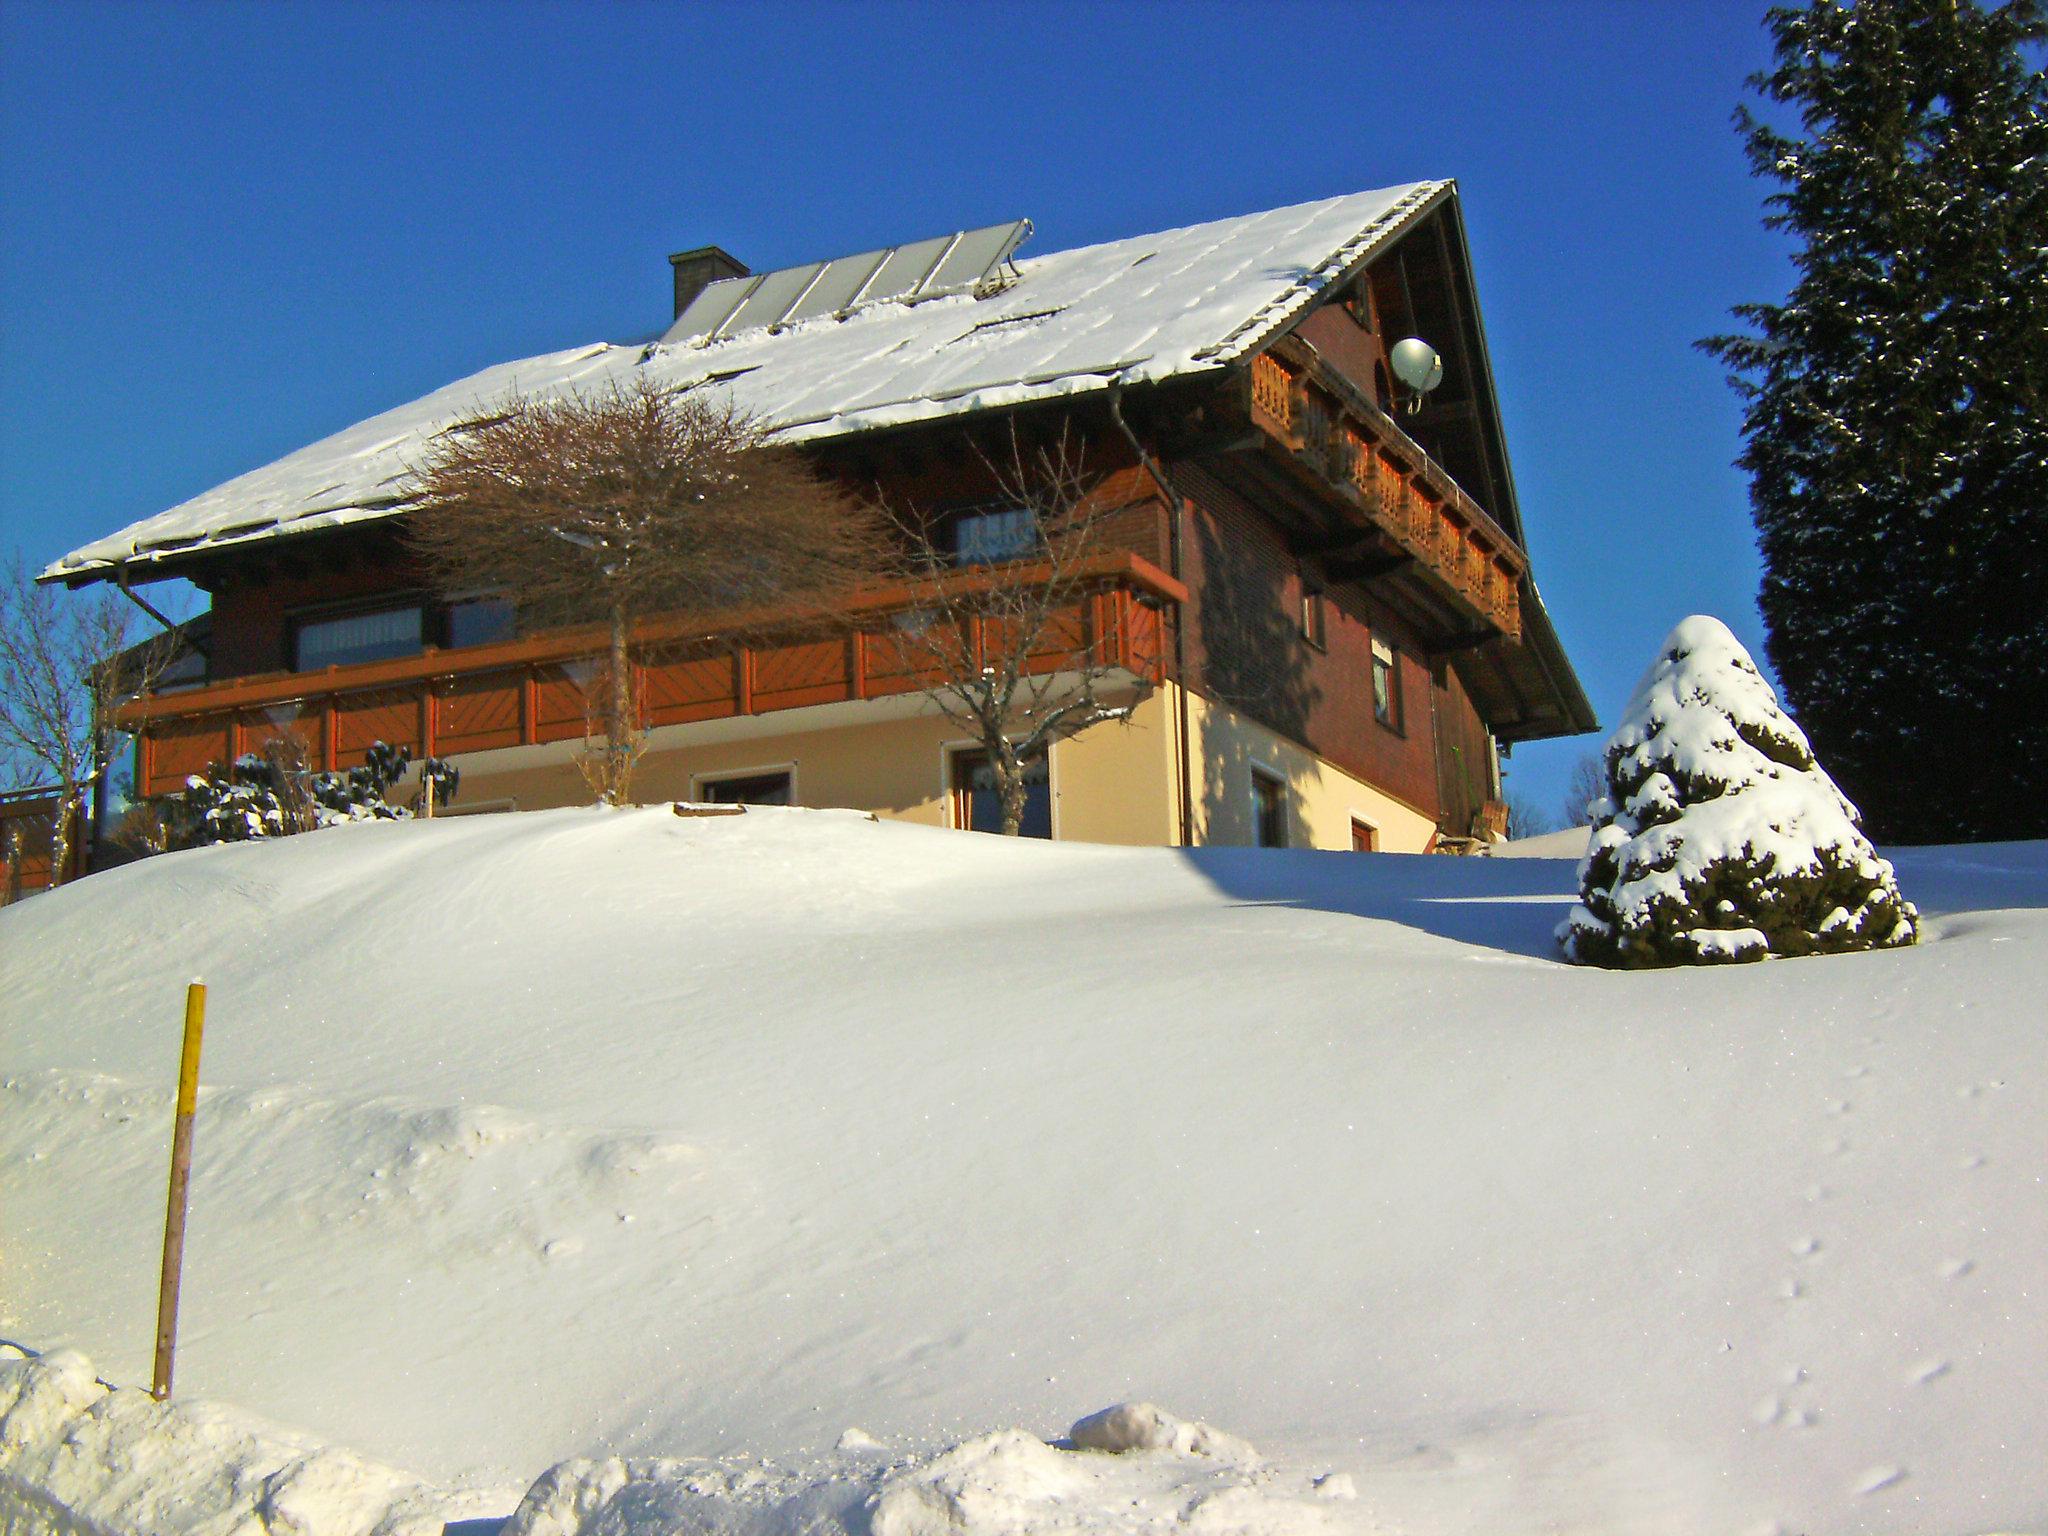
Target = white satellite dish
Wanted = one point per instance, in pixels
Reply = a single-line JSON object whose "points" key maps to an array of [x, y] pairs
{"points": [[1417, 365]]}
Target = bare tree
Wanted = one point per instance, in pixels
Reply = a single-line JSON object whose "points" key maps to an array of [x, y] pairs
{"points": [[1587, 784], [1000, 633], [1526, 819], [612, 507], [66, 663]]}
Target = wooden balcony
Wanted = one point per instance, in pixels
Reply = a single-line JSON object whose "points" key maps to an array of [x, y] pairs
{"points": [[1420, 515], [533, 691]]}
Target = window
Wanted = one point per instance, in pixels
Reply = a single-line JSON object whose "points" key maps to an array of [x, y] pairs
{"points": [[1269, 809], [978, 808], [479, 621], [1312, 619], [1365, 837], [187, 669], [748, 789], [991, 537], [1386, 687], [341, 641]]}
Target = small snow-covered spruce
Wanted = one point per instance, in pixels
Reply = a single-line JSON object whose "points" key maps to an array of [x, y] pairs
{"points": [[1720, 838]]}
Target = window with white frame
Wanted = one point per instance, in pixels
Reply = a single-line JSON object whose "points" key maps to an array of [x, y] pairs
{"points": [[1386, 686]]}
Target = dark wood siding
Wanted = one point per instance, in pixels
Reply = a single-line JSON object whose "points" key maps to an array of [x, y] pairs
{"points": [[1246, 649]]}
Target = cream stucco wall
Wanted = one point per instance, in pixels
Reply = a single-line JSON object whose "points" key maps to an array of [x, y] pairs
{"points": [[1322, 800], [1116, 783]]}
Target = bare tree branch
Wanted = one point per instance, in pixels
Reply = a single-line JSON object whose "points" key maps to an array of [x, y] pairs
{"points": [[66, 661], [616, 506], [1002, 634]]}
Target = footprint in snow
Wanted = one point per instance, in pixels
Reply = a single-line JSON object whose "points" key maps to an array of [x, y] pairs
{"points": [[1791, 1290], [1806, 1247], [1955, 1269], [1880, 1477], [1973, 1162], [1929, 1371]]}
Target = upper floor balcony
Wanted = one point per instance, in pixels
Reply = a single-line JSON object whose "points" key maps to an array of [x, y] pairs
{"points": [[536, 689], [1409, 516]]}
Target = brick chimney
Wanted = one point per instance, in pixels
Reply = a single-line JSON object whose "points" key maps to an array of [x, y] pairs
{"points": [[699, 269]]}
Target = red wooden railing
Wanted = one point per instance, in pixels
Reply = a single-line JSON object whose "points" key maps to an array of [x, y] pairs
{"points": [[531, 691], [1398, 487]]}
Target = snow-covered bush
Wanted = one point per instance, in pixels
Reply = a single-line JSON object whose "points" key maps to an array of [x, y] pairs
{"points": [[1720, 838], [274, 793]]}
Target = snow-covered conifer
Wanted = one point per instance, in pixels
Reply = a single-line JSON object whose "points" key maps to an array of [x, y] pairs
{"points": [[1720, 837], [1896, 404]]}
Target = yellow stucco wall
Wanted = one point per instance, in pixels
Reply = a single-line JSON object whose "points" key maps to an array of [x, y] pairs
{"points": [[1116, 783], [1322, 800]]}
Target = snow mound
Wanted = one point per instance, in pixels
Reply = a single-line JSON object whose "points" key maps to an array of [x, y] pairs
{"points": [[1720, 837], [1142, 1427], [617, 1134], [1009, 1483], [82, 1459]]}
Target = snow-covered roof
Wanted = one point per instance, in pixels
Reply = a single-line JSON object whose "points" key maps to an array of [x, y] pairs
{"points": [[1132, 311]]}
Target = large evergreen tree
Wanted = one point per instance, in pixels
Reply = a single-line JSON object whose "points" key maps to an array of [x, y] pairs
{"points": [[1896, 415]]}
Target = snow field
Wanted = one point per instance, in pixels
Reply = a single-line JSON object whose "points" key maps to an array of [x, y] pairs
{"points": [[613, 1135]]}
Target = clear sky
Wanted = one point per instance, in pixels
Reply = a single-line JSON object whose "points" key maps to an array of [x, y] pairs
{"points": [[227, 230]]}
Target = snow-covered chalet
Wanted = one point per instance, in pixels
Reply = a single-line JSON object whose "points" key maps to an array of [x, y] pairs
{"points": [[1323, 593]]}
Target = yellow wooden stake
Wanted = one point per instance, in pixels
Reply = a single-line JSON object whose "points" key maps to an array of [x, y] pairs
{"points": [[181, 1174]]}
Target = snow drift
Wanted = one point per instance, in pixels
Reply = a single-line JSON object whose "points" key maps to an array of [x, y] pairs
{"points": [[622, 1137]]}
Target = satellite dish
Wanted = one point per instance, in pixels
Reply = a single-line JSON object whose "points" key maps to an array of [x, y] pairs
{"points": [[1417, 365]]}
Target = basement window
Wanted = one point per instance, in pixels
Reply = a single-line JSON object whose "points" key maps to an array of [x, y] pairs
{"points": [[748, 789]]}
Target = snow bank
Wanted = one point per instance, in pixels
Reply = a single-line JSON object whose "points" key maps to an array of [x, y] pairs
{"points": [[1005, 1484], [80, 1459], [618, 1135]]}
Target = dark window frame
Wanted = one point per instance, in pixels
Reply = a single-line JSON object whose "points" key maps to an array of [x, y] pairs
{"points": [[961, 763], [301, 619], [708, 785], [1269, 809], [958, 519]]}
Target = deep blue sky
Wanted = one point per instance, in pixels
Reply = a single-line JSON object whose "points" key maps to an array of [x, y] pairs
{"points": [[227, 230]]}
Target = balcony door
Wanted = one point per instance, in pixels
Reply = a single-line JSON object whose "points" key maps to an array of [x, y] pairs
{"points": [[978, 808]]}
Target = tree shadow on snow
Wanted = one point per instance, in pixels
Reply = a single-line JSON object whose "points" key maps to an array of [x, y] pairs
{"points": [[1511, 905]]}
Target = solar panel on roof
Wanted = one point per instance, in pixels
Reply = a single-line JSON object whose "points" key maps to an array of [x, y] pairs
{"points": [[977, 254], [769, 302], [924, 269], [711, 308], [837, 286], [907, 268]]}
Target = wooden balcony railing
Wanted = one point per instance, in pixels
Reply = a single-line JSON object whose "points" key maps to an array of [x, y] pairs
{"points": [[532, 691], [1398, 489]]}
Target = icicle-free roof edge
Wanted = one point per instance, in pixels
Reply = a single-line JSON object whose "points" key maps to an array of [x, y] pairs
{"points": [[1134, 311]]}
